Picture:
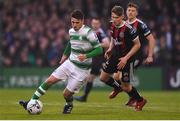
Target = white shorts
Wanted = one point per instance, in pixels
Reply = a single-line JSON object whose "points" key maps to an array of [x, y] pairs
{"points": [[75, 75]]}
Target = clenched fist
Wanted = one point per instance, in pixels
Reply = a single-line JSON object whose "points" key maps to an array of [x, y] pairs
{"points": [[82, 57]]}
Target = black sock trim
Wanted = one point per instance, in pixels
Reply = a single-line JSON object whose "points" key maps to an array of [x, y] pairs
{"points": [[111, 82]]}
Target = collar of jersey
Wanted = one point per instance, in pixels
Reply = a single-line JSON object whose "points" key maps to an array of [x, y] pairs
{"points": [[132, 21], [123, 22], [80, 28]]}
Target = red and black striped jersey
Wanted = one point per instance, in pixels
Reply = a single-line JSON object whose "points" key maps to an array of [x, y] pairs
{"points": [[123, 37], [143, 31]]}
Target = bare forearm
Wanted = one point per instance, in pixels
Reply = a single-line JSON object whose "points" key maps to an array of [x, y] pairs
{"points": [[151, 45], [133, 50], [111, 44]]}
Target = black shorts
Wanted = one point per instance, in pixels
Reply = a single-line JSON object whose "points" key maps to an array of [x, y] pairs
{"points": [[110, 67], [97, 65]]}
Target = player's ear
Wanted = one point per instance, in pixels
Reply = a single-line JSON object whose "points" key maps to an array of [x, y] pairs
{"points": [[82, 21], [122, 16], [136, 13]]}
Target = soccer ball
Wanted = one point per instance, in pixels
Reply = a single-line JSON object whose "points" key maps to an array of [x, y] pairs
{"points": [[34, 107]]}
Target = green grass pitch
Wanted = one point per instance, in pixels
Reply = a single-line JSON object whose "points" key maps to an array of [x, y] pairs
{"points": [[161, 105]]}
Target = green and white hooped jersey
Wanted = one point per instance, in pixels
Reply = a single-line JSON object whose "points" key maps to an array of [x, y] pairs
{"points": [[82, 41]]}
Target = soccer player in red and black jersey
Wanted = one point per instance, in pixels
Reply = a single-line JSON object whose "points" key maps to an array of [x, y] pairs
{"points": [[120, 55], [145, 36], [143, 32]]}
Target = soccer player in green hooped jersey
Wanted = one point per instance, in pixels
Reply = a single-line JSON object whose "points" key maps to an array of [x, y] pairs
{"points": [[75, 62]]}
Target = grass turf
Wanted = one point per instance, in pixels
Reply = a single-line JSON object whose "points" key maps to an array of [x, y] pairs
{"points": [[161, 105]]}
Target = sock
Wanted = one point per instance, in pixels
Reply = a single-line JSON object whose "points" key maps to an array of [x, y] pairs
{"points": [[69, 100], [129, 94], [41, 90], [134, 94], [111, 82], [118, 81], [87, 89]]}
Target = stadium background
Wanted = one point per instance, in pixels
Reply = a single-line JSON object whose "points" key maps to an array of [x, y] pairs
{"points": [[33, 34]]}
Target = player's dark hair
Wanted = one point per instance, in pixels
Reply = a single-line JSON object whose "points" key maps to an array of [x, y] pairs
{"points": [[96, 18], [118, 10], [132, 4], [77, 14]]}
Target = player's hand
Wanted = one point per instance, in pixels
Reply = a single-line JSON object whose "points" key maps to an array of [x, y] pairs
{"points": [[122, 63], [64, 57], [149, 60], [82, 57], [108, 54]]}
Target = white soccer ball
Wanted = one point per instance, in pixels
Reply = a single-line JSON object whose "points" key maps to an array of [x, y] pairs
{"points": [[34, 107]]}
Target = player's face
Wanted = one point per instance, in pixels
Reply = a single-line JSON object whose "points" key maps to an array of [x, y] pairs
{"points": [[76, 23], [117, 20], [131, 12], [95, 24]]}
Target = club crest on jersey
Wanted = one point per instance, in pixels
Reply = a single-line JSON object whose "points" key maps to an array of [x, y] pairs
{"points": [[144, 26], [121, 34]]}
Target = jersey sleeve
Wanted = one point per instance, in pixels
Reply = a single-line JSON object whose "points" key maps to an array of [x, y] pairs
{"points": [[67, 50], [93, 39], [133, 34], [103, 35], [145, 29]]}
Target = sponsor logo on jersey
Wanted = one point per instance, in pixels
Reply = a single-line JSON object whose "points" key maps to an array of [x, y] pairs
{"points": [[116, 42]]}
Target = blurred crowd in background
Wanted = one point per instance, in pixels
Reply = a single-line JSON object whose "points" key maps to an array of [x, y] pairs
{"points": [[35, 32]]}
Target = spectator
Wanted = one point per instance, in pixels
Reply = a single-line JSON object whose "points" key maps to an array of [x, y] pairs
{"points": [[40, 27]]}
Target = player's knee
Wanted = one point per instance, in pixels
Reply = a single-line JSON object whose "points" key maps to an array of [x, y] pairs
{"points": [[49, 81], [90, 78], [104, 77], [67, 94], [52, 80], [116, 76]]}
